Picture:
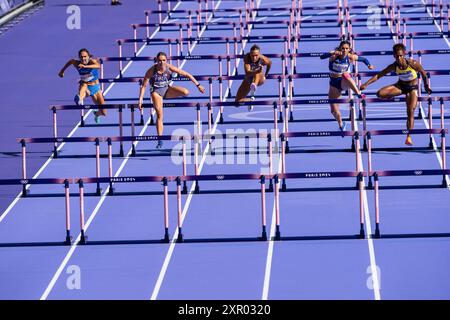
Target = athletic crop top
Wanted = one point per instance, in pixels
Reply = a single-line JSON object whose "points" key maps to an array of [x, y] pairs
{"points": [[339, 65], [255, 65], [88, 74], [408, 74], [160, 80]]}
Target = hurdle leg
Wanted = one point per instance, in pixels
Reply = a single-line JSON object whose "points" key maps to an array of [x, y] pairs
{"points": [[67, 201], [444, 158], [269, 139], [97, 165], [369, 158], [277, 209], [196, 147], [55, 134], [133, 148], [263, 208], [121, 153], [166, 211], [179, 208], [377, 207], [184, 166], [361, 206], [110, 171], [24, 167], [430, 122], [83, 238]]}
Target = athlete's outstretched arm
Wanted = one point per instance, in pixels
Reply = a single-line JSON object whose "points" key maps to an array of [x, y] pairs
{"points": [[71, 62], [188, 75], [379, 75], [355, 57]]}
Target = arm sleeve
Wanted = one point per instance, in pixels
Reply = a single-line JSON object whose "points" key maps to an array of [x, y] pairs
{"points": [[364, 60], [325, 55]]}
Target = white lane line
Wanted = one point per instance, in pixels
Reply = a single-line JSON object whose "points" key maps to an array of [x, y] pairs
{"points": [[267, 274], [169, 254], [94, 213]]}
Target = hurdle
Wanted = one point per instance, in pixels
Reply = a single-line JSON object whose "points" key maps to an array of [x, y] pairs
{"points": [[397, 173], [420, 99], [47, 181], [316, 134], [54, 108], [25, 141], [371, 133], [111, 180]]}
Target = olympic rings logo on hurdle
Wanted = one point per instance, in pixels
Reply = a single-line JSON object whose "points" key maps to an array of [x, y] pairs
{"points": [[405, 131], [24, 181], [59, 140], [418, 173], [220, 177]]}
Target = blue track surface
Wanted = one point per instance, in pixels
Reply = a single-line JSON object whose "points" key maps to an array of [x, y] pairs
{"points": [[319, 256]]}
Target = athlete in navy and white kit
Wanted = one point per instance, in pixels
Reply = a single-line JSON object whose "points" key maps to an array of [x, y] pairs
{"points": [[254, 62], [340, 79], [87, 68], [159, 77]]}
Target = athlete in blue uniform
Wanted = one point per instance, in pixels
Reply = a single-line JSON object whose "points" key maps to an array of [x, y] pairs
{"points": [[340, 79], [254, 62], [407, 84], [159, 76], [88, 85]]}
